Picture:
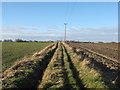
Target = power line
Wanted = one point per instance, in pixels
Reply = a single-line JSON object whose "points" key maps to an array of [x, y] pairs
{"points": [[70, 7], [69, 11]]}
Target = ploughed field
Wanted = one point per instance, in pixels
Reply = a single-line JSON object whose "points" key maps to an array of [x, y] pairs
{"points": [[63, 66], [107, 49]]}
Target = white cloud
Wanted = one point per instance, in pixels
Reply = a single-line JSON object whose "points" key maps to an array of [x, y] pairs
{"points": [[92, 31], [93, 34], [46, 33], [55, 33]]}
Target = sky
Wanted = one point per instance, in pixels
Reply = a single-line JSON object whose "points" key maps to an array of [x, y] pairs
{"points": [[87, 21]]}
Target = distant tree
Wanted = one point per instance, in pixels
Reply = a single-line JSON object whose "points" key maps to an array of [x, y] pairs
{"points": [[19, 40], [50, 41], [100, 42], [30, 40], [35, 41], [7, 40], [25, 41], [112, 42]]}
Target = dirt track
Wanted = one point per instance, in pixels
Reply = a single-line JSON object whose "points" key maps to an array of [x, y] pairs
{"points": [[60, 66]]}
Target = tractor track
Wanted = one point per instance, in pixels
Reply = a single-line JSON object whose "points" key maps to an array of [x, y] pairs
{"points": [[70, 76], [59, 68], [75, 73], [48, 58]]}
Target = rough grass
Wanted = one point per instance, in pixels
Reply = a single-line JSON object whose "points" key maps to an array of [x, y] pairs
{"points": [[27, 72], [13, 51], [90, 77], [54, 75], [71, 82]]}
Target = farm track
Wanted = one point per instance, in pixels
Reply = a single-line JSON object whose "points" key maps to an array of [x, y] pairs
{"points": [[54, 73], [61, 67], [75, 74], [63, 70], [47, 58]]}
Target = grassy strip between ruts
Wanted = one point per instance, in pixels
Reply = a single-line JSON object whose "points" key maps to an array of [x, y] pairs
{"points": [[54, 74], [90, 77], [71, 81], [27, 73]]}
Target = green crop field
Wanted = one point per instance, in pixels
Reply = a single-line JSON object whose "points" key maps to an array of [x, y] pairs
{"points": [[13, 51]]}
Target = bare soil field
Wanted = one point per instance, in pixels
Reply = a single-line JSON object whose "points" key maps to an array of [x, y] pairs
{"points": [[107, 49]]}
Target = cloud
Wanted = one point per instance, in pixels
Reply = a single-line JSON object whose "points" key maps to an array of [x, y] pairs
{"points": [[93, 34], [55, 33], [44, 33], [12, 28], [92, 31]]}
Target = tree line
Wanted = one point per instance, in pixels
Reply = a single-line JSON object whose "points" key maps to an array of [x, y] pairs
{"points": [[20, 40]]}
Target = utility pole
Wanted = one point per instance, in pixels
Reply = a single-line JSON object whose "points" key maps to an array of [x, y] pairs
{"points": [[65, 32]]}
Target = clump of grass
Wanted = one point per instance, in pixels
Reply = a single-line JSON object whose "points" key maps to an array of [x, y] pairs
{"points": [[90, 77]]}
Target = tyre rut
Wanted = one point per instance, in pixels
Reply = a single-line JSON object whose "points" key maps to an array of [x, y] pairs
{"points": [[75, 73]]}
